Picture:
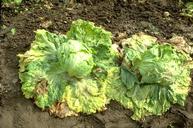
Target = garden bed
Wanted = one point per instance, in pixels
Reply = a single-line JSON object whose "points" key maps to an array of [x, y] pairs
{"points": [[122, 19]]}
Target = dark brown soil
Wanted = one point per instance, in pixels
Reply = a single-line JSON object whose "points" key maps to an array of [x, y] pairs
{"points": [[117, 17]]}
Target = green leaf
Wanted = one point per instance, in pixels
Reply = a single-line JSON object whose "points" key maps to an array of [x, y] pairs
{"points": [[128, 78]]}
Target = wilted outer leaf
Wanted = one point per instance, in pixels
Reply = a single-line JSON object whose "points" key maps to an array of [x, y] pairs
{"points": [[86, 95], [115, 89], [36, 63]]}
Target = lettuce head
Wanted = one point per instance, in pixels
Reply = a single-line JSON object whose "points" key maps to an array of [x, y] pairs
{"points": [[66, 74], [154, 76]]}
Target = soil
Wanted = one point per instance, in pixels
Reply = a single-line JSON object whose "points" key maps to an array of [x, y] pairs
{"points": [[160, 18]]}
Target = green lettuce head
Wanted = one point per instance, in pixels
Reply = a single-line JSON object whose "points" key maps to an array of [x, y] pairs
{"points": [[154, 76], [67, 74], [76, 59]]}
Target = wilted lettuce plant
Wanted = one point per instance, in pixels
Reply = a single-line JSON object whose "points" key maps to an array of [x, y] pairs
{"points": [[78, 72], [68, 74], [154, 75]]}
